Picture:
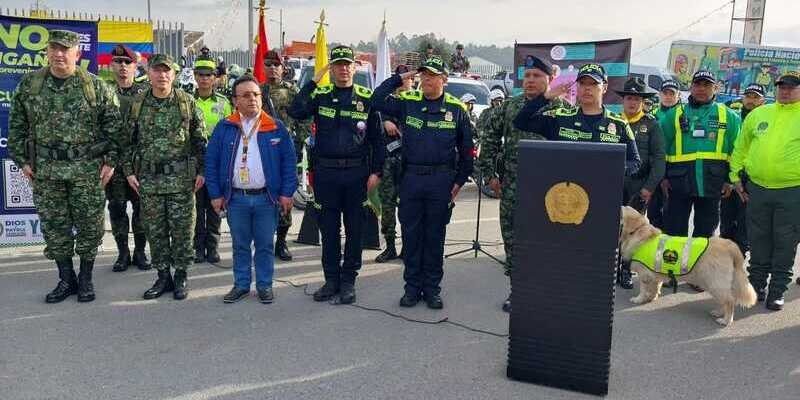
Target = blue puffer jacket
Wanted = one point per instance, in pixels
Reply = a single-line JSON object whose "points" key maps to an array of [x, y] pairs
{"points": [[277, 157]]}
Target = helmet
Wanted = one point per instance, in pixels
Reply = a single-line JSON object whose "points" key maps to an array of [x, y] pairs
{"points": [[496, 94], [468, 98], [235, 71]]}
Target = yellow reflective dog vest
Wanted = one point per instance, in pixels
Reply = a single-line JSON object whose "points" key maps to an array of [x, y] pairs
{"points": [[670, 255]]}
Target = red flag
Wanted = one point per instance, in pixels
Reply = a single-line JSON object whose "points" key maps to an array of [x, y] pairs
{"points": [[261, 49]]}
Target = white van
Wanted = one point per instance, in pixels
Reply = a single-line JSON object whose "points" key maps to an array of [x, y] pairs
{"points": [[654, 77]]}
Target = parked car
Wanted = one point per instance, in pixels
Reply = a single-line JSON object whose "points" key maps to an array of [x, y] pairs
{"points": [[504, 81]]}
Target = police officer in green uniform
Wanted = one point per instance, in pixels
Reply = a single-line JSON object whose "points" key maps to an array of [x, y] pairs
{"points": [[437, 159], [277, 96], [65, 133], [699, 138], [640, 187], [590, 122], [215, 107], [390, 180], [118, 192], [669, 98], [348, 160], [769, 150]]}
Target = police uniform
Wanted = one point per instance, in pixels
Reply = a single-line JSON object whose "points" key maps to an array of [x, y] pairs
{"points": [[119, 193], [348, 148], [699, 139], [65, 130], [206, 229], [437, 154], [655, 209]]}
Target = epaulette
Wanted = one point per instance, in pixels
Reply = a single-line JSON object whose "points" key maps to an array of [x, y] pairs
{"points": [[324, 89], [415, 95], [361, 91], [448, 98]]}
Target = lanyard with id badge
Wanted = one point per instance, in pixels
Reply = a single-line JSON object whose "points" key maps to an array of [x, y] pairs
{"points": [[244, 172]]}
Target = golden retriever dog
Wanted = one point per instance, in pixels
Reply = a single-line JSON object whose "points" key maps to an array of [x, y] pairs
{"points": [[720, 269]]}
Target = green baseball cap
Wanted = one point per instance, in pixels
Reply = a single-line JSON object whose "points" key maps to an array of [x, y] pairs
{"points": [[342, 53], [64, 38], [160, 59], [205, 65], [434, 64]]}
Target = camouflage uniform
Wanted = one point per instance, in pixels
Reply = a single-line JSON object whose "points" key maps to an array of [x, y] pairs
{"points": [[167, 152], [498, 159], [70, 136]]}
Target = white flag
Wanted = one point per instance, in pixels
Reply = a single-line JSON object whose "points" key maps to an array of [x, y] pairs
{"points": [[383, 69]]}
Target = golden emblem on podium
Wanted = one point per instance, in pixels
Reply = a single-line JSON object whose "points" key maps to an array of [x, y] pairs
{"points": [[566, 203]]}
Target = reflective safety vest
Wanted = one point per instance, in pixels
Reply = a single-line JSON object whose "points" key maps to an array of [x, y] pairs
{"points": [[670, 255], [681, 124]]}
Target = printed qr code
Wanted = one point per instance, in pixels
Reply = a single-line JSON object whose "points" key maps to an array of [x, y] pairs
{"points": [[18, 193]]}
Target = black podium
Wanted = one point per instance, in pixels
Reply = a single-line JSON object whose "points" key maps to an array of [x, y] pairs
{"points": [[566, 230]]}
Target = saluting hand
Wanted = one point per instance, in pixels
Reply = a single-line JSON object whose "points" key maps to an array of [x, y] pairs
{"points": [[409, 74], [559, 90]]}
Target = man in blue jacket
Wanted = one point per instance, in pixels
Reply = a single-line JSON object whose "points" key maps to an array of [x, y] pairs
{"points": [[250, 171]]}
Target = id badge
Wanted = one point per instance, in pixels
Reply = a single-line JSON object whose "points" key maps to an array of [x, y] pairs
{"points": [[699, 133], [244, 175]]}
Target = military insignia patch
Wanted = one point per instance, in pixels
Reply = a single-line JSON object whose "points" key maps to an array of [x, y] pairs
{"points": [[448, 116], [670, 256], [360, 107], [566, 203], [643, 128], [762, 127], [612, 129]]}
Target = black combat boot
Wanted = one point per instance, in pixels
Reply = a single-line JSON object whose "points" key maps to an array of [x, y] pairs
{"points": [[124, 256], [347, 293], [67, 285], [326, 292], [85, 286], [624, 277], [389, 254], [199, 256], [139, 257], [281, 249], [180, 285], [162, 285], [212, 256]]}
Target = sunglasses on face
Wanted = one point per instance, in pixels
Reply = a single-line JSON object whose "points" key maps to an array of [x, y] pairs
{"points": [[272, 65], [123, 61]]}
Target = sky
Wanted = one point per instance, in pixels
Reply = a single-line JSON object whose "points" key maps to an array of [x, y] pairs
{"points": [[499, 22]]}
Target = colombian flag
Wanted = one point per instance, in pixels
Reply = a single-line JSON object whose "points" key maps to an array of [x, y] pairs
{"points": [[136, 35]]}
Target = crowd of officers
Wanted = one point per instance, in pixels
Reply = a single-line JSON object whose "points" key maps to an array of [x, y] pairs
{"points": [[82, 142]]}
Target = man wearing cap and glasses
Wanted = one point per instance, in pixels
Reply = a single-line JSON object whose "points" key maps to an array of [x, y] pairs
{"points": [[165, 166], [437, 159], [215, 107], [498, 158], [392, 168], [769, 150], [118, 192], [65, 133], [733, 218], [348, 160], [640, 187], [698, 138], [278, 94]]}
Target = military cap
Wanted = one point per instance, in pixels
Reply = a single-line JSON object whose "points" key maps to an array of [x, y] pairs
{"points": [[459, 46], [205, 65], [756, 89], [342, 53], [123, 52], [594, 71], [704, 75], [160, 59], [273, 57], [434, 64], [636, 87], [532, 61], [64, 38], [670, 84], [789, 78]]}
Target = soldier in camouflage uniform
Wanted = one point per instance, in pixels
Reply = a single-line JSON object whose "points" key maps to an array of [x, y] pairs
{"points": [[277, 96], [215, 107], [390, 178], [118, 192], [64, 127], [498, 158], [166, 157]]}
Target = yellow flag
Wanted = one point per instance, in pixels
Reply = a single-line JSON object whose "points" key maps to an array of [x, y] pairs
{"points": [[321, 59]]}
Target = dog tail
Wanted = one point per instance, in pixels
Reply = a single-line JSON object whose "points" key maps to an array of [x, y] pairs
{"points": [[743, 291]]}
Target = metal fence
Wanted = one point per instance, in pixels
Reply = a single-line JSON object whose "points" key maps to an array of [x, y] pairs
{"points": [[242, 58], [488, 70]]}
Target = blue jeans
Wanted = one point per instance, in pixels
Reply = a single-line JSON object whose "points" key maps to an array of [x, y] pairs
{"points": [[252, 218]]}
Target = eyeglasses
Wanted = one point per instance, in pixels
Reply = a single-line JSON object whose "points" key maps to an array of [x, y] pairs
{"points": [[248, 95], [123, 61], [272, 65]]}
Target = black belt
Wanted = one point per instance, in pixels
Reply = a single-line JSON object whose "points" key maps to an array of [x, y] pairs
{"points": [[166, 168], [339, 162], [249, 192], [68, 154], [428, 169]]}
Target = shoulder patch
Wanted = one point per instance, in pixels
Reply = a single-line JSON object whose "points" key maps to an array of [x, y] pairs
{"points": [[324, 89], [361, 91], [448, 98], [414, 95]]}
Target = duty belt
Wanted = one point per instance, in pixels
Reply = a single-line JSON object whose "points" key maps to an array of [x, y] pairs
{"points": [[68, 154], [165, 168], [418, 169], [340, 163]]}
